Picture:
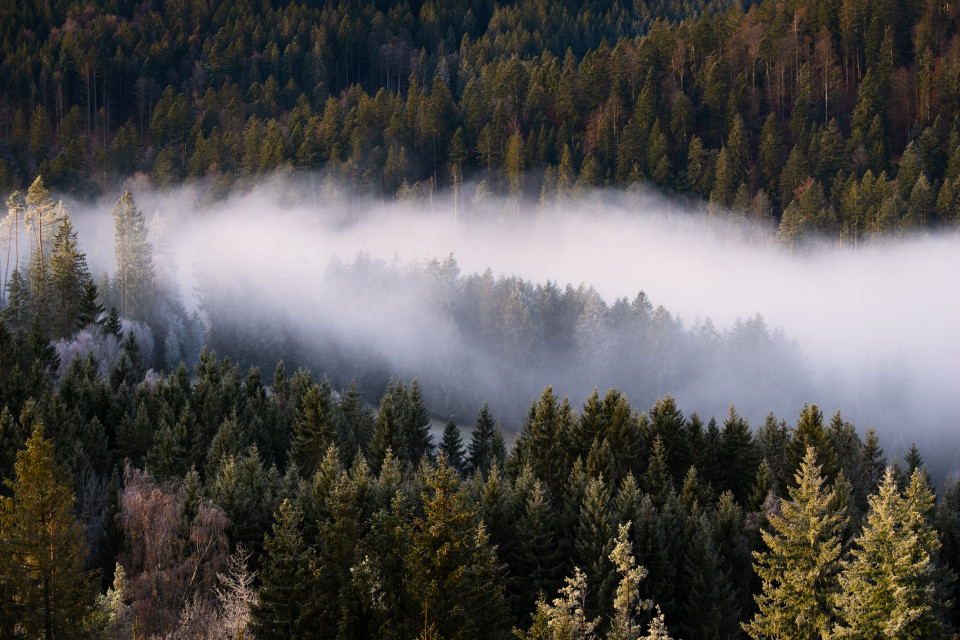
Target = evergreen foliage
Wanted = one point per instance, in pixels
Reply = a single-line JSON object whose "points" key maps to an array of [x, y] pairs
{"points": [[799, 569]]}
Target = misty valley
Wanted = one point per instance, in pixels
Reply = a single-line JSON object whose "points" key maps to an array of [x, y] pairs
{"points": [[472, 320], [284, 441]]}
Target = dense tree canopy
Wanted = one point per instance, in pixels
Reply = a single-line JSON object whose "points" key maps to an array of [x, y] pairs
{"points": [[820, 118]]}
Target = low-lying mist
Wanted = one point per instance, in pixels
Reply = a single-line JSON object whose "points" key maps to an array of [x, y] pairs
{"points": [[495, 301]]}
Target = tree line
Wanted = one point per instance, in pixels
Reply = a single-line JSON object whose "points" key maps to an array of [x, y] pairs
{"points": [[833, 118]]}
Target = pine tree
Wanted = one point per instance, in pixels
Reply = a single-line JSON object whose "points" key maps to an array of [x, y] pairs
{"points": [[479, 451], [800, 566], [313, 430], [69, 280], [286, 577], [893, 586], [40, 216], [451, 568], [451, 446], [44, 546], [134, 256]]}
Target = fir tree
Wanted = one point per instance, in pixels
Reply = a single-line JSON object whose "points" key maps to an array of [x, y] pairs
{"points": [[893, 586], [480, 449], [20, 309], [286, 577], [800, 566], [44, 547], [313, 430], [69, 279], [452, 570], [416, 426], [451, 446], [134, 256]]}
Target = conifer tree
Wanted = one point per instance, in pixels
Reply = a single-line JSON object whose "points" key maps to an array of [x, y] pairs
{"points": [[44, 547], [451, 568], [40, 216], [594, 538], [626, 602], [69, 279], [799, 569], [479, 451], [893, 586], [19, 310], [451, 446], [416, 426], [709, 609], [537, 555], [286, 574], [89, 309], [387, 434], [313, 430], [566, 616], [771, 154], [134, 256]]}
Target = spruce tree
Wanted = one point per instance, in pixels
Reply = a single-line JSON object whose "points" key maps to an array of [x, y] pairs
{"points": [[44, 547], [416, 426], [451, 446], [479, 451], [134, 256], [69, 279], [452, 571], [893, 585], [287, 574], [19, 310], [627, 603], [537, 559], [799, 569], [313, 430]]}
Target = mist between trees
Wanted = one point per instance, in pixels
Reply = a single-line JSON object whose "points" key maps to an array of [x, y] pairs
{"points": [[619, 290], [163, 461], [623, 290]]}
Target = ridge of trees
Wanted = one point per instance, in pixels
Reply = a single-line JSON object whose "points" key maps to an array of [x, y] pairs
{"points": [[837, 118]]}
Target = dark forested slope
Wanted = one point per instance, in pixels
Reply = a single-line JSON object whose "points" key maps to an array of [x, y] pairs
{"points": [[826, 116]]}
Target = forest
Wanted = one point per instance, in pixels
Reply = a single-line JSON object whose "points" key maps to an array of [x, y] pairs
{"points": [[145, 498], [829, 117], [407, 448]]}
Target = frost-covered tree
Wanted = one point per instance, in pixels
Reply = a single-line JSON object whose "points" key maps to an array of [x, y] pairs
{"points": [[627, 602], [800, 566], [893, 586], [134, 258]]}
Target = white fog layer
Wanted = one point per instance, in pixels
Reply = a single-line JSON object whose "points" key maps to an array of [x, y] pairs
{"points": [[876, 324]]}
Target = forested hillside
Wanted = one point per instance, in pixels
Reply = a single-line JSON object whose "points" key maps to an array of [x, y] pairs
{"points": [[269, 438], [837, 117], [145, 498]]}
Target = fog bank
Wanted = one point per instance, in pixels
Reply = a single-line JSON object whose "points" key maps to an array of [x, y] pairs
{"points": [[875, 324]]}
